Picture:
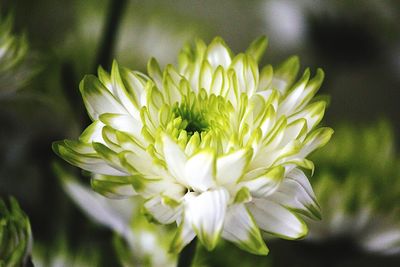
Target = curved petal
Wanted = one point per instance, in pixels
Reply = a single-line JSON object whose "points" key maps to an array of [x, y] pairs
{"points": [[206, 213], [277, 220], [231, 167], [175, 158], [218, 53], [200, 170], [265, 184], [296, 193], [89, 162], [241, 229], [115, 187], [183, 236], [162, 212], [98, 99]]}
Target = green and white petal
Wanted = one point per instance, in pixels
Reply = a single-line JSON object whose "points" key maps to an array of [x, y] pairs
{"points": [[257, 48], [265, 184], [200, 170], [241, 229], [231, 167], [161, 212], [296, 193], [88, 162], [184, 235], [275, 219], [316, 139], [206, 214], [175, 158], [115, 187], [124, 123], [218, 54], [149, 188], [285, 74], [313, 113], [129, 99], [93, 133], [98, 99]]}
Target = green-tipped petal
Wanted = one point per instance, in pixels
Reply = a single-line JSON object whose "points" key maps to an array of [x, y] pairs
{"points": [[230, 167], [98, 99], [241, 229], [206, 213], [272, 218], [257, 48]]}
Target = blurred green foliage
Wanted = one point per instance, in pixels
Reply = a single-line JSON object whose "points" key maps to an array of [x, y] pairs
{"points": [[362, 166]]}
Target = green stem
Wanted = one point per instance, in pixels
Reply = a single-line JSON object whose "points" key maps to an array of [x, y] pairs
{"points": [[114, 17], [186, 256]]}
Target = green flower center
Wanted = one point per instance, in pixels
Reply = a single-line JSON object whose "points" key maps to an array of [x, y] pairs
{"points": [[193, 120]]}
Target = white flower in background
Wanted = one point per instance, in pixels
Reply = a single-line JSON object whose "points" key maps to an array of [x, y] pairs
{"points": [[13, 53], [144, 242], [213, 145], [60, 254], [358, 187]]}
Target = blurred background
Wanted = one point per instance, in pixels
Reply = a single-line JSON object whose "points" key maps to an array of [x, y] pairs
{"points": [[357, 43]]}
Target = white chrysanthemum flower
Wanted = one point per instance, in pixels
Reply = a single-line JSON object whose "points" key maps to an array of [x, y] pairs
{"points": [[213, 145]]}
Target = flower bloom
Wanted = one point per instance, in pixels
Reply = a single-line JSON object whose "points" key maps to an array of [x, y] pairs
{"points": [[214, 144], [15, 234]]}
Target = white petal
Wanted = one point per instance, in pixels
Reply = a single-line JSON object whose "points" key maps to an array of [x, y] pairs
{"points": [[385, 240], [115, 214], [144, 164], [89, 162], [230, 167], [296, 193], [315, 140], [114, 187], [240, 228], [124, 123], [295, 97], [98, 99], [175, 158], [93, 133], [218, 54], [206, 213], [183, 236], [277, 220], [265, 184], [128, 99], [200, 170], [161, 212], [313, 113]]}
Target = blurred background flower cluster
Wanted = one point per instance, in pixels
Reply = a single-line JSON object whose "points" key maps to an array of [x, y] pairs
{"points": [[47, 46]]}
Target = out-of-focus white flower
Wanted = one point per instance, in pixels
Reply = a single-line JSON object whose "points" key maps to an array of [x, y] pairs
{"points": [[358, 187], [13, 53], [215, 145], [60, 255], [144, 242]]}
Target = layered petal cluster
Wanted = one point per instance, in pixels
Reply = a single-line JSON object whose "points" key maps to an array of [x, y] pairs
{"points": [[214, 144], [15, 235]]}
